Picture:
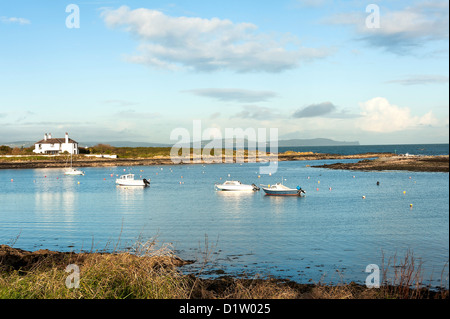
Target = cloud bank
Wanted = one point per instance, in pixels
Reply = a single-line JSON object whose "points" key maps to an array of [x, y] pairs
{"points": [[401, 30], [14, 20], [207, 44], [234, 95], [421, 80], [315, 110], [379, 115]]}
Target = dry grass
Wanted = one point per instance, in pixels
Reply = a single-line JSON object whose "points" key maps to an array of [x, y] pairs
{"points": [[151, 272], [404, 278], [150, 275]]}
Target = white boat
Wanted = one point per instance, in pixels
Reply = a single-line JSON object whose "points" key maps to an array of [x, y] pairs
{"points": [[73, 171], [128, 180], [236, 186], [280, 190]]}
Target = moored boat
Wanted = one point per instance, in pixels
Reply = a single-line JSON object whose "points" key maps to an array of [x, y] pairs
{"points": [[73, 172], [236, 186], [128, 180], [281, 190]]}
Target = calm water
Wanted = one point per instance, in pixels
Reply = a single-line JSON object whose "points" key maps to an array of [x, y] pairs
{"points": [[333, 228]]}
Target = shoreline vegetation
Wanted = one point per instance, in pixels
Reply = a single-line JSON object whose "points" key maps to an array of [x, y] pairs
{"points": [[99, 156], [150, 273]]}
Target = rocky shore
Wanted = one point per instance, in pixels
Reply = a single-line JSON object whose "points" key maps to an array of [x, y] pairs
{"points": [[370, 161], [82, 161], [399, 163]]}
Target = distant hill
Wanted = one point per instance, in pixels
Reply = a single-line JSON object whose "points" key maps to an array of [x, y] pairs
{"points": [[313, 142], [125, 144], [19, 144], [281, 143], [288, 143]]}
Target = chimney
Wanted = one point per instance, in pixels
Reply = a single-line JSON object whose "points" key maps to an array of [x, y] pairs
{"points": [[49, 135], [67, 138], [45, 136]]}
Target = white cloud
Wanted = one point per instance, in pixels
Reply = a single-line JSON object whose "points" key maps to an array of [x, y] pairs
{"points": [[379, 115], [260, 113], [14, 20], [421, 79], [403, 29], [315, 110], [312, 3], [234, 95], [207, 44]]}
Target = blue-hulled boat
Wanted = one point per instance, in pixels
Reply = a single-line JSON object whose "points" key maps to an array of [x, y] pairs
{"points": [[281, 190]]}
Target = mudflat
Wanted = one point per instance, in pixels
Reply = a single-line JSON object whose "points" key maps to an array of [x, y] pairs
{"points": [[398, 163]]}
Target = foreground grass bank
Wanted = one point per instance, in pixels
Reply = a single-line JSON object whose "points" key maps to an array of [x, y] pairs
{"points": [[150, 274]]}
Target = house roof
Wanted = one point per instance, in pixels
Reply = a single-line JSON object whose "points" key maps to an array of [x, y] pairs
{"points": [[55, 141]]}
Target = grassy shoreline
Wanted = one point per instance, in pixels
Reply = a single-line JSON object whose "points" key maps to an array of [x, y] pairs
{"points": [[61, 161], [99, 156], [157, 274]]}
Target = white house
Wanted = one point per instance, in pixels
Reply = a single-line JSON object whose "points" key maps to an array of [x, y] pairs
{"points": [[51, 145]]}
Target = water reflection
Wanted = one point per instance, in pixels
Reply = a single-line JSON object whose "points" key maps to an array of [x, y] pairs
{"points": [[55, 197], [235, 195], [278, 204], [234, 201], [129, 198]]}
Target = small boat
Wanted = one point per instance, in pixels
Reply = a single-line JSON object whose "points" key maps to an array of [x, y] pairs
{"points": [[236, 186], [128, 180], [280, 190], [73, 172]]}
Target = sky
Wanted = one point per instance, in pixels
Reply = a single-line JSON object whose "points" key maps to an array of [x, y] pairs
{"points": [[370, 71]]}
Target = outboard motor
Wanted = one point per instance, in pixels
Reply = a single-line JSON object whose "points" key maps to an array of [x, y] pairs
{"points": [[146, 182], [255, 188], [300, 191]]}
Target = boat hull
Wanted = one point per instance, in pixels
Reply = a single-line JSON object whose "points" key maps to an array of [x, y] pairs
{"points": [[128, 180], [235, 189], [137, 183], [74, 172], [133, 183], [272, 192], [236, 186]]}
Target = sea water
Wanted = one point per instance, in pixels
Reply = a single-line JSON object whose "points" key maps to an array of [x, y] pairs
{"points": [[346, 222]]}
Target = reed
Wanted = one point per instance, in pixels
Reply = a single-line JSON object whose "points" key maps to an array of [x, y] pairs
{"points": [[403, 278], [150, 274], [148, 270]]}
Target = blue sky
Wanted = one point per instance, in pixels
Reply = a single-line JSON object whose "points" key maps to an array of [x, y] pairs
{"points": [[136, 70]]}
